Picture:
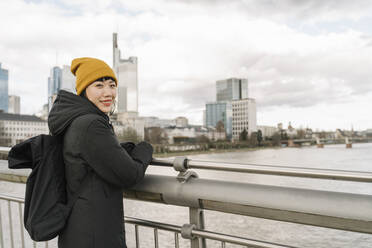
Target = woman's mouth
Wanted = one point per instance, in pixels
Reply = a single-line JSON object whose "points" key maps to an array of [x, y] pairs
{"points": [[107, 103]]}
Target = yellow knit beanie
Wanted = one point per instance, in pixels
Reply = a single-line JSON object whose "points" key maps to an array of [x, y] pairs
{"points": [[88, 70]]}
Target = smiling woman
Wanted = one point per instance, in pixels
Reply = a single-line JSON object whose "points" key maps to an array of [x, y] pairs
{"points": [[102, 93], [93, 155]]}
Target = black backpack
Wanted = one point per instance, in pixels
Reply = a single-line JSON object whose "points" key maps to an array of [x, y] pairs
{"points": [[46, 209]]}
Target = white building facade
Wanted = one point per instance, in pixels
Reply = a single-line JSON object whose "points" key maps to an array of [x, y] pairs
{"points": [[243, 117], [182, 121], [267, 131], [153, 121], [16, 128]]}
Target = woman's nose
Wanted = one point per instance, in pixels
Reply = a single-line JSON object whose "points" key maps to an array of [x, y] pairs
{"points": [[107, 91]]}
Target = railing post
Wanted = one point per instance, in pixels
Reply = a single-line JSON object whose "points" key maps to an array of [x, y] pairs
{"points": [[1, 231], [197, 218]]}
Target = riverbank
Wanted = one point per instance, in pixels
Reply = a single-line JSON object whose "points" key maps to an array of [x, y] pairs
{"points": [[213, 151]]}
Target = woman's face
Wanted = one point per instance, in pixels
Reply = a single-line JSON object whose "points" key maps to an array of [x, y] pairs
{"points": [[102, 94]]}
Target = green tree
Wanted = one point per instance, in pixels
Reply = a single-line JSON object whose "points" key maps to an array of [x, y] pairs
{"points": [[243, 135], [259, 137]]}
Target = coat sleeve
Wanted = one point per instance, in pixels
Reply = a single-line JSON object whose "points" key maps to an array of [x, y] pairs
{"points": [[101, 149]]}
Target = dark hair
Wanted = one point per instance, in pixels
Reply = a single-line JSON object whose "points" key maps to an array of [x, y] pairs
{"points": [[102, 79]]}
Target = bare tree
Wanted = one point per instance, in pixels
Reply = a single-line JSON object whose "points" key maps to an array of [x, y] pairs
{"points": [[155, 135], [129, 135], [220, 127]]}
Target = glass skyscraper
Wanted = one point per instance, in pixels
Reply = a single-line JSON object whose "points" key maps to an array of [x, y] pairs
{"points": [[232, 89], [54, 84], [60, 78], [219, 111], [4, 94]]}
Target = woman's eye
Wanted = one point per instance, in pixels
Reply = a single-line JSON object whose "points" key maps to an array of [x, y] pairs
{"points": [[113, 85], [99, 85]]}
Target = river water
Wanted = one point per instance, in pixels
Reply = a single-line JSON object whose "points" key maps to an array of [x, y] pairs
{"points": [[359, 158]]}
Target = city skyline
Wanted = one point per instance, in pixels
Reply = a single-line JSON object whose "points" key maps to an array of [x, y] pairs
{"points": [[306, 62]]}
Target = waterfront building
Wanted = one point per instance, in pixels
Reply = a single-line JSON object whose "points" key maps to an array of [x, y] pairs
{"points": [[244, 117], [153, 121], [15, 128], [368, 132], [127, 75], [232, 107], [181, 121], [179, 134], [14, 105], [60, 78], [204, 118], [231, 89], [4, 93], [190, 133], [267, 131], [219, 111], [210, 132]]}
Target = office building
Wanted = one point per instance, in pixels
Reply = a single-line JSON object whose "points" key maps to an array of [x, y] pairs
{"points": [[244, 117], [153, 121], [60, 78], [231, 89], [182, 121], [127, 74], [267, 131], [14, 105], [4, 93], [219, 111]]}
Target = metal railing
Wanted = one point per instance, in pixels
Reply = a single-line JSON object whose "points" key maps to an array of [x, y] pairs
{"points": [[186, 231], [344, 175], [296, 205]]}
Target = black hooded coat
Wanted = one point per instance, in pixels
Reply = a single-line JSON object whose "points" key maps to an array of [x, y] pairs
{"points": [[91, 150]]}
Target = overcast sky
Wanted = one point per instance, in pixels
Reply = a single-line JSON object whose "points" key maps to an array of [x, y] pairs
{"points": [[308, 62]]}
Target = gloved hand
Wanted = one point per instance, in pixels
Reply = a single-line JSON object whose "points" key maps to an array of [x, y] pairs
{"points": [[128, 146], [143, 152]]}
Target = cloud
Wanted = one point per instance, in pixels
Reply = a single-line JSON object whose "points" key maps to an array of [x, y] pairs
{"points": [[183, 47], [304, 10]]}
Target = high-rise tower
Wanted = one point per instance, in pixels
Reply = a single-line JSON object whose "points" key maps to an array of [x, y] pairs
{"points": [[4, 93], [60, 78], [232, 89], [127, 74]]}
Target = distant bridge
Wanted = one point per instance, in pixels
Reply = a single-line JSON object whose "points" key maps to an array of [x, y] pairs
{"points": [[313, 141]]}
